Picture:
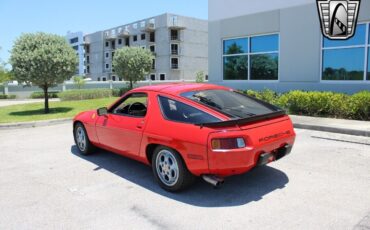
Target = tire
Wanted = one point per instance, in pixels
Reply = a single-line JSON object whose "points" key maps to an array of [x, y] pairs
{"points": [[82, 140], [170, 170]]}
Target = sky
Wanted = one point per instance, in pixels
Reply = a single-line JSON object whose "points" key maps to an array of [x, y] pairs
{"points": [[61, 16]]}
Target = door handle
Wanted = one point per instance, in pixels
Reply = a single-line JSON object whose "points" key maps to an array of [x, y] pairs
{"points": [[140, 125]]}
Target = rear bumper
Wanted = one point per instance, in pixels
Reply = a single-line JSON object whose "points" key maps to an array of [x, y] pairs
{"points": [[266, 158], [241, 161]]}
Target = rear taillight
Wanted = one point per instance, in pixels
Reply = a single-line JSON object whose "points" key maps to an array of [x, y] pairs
{"points": [[228, 143]]}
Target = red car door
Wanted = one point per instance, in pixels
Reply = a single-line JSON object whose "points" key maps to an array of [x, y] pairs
{"points": [[122, 128]]}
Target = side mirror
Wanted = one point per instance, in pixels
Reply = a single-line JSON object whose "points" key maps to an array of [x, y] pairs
{"points": [[102, 111]]}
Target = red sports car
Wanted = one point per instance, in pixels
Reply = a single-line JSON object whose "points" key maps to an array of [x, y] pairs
{"points": [[186, 131]]}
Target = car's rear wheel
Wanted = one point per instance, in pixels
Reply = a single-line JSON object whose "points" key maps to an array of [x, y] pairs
{"points": [[170, 170], [82, 140]]}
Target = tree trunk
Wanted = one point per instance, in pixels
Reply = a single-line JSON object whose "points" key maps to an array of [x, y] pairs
{"points": [[131, 86], [46, 96]]}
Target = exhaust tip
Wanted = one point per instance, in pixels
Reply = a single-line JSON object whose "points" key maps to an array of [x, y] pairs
{"points": [[215, 181]]}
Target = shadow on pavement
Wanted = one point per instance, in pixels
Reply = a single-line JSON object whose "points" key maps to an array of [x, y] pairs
{"points": [[237, 190]]}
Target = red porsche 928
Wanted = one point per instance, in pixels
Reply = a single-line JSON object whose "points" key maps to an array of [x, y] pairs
{"points": [[186, 131]]}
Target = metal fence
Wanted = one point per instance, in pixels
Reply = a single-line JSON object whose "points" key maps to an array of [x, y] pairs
{"points": [[22, 91]]}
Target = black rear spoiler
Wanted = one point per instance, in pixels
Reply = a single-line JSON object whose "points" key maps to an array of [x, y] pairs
{"points": [[244, 121]]}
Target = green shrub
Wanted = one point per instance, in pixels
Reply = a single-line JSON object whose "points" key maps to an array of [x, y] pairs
{"points": [[359, 106], [119, 92], [40, 95], [314, 103], [75, 95], [3, 96], [324, 104], [266, 95]]}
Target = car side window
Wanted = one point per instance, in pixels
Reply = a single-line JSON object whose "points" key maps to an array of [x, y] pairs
{"points": [[133, 105], [177, 111]]}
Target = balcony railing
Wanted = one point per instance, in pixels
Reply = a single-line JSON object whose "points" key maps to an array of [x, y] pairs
{"points": [[124, 33], [175, 38], [110, 36]]}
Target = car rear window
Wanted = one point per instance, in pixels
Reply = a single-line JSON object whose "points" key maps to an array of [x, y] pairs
{"points": [[233, 104], [180, 112]]}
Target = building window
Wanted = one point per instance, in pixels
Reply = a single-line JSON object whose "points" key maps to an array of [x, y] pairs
{"points": [[142, 24], [104, 79], [134, 26], [106, 66], [98, 78], [88, 69], [162, 77], [135, 38], [143, 36], [113, 78], [152, 37], [106, 44], [120, 41], [152, 48], [106, 55], [73, 40], [127, 41], [153, 64], [174, 63], [235, 60], [259, 53], [174, 49], [344, 60], [112, 55], [174, 35], [87, 49], [88, 59], [113, 43], [264, 57], [152, 77], [75, 48]]}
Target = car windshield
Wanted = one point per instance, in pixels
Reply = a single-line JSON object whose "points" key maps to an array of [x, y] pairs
{"points": [[231, 103]]}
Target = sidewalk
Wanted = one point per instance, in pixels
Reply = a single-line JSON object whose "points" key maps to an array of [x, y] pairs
{"points": [[6, 102], [351, 127]]}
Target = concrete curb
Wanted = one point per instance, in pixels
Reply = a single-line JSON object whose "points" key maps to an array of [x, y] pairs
{"points": [[299, 125], [34, 124], [352, 132]]}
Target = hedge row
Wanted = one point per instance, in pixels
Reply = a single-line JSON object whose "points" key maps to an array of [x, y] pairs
{"points": [[3, 96], [40, 95], [75, 95], [322, 104]]}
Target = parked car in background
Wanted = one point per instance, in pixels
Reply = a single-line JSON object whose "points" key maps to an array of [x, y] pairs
{"points": [[184, 131]]}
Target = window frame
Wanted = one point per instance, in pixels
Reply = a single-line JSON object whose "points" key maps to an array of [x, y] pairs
{"points": [[179, 101], [249, 54], [123, 99], [366, 68], [164, 74]]}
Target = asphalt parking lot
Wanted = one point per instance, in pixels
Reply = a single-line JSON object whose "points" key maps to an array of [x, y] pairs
{"points": [[45, 184]]}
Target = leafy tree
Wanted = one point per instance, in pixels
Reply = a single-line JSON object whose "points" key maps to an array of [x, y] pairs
{"points": [[133, 63], [236, 68], [44, 60], [79, 81], [234, 49], [5, 74], [264, 66], [200, 77]]}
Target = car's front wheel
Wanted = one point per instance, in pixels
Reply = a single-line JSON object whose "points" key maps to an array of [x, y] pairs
{"points": [[170, 170], [82, 140]]}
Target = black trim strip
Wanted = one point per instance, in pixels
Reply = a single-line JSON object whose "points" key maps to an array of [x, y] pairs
{"points": [[244, 121]]}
